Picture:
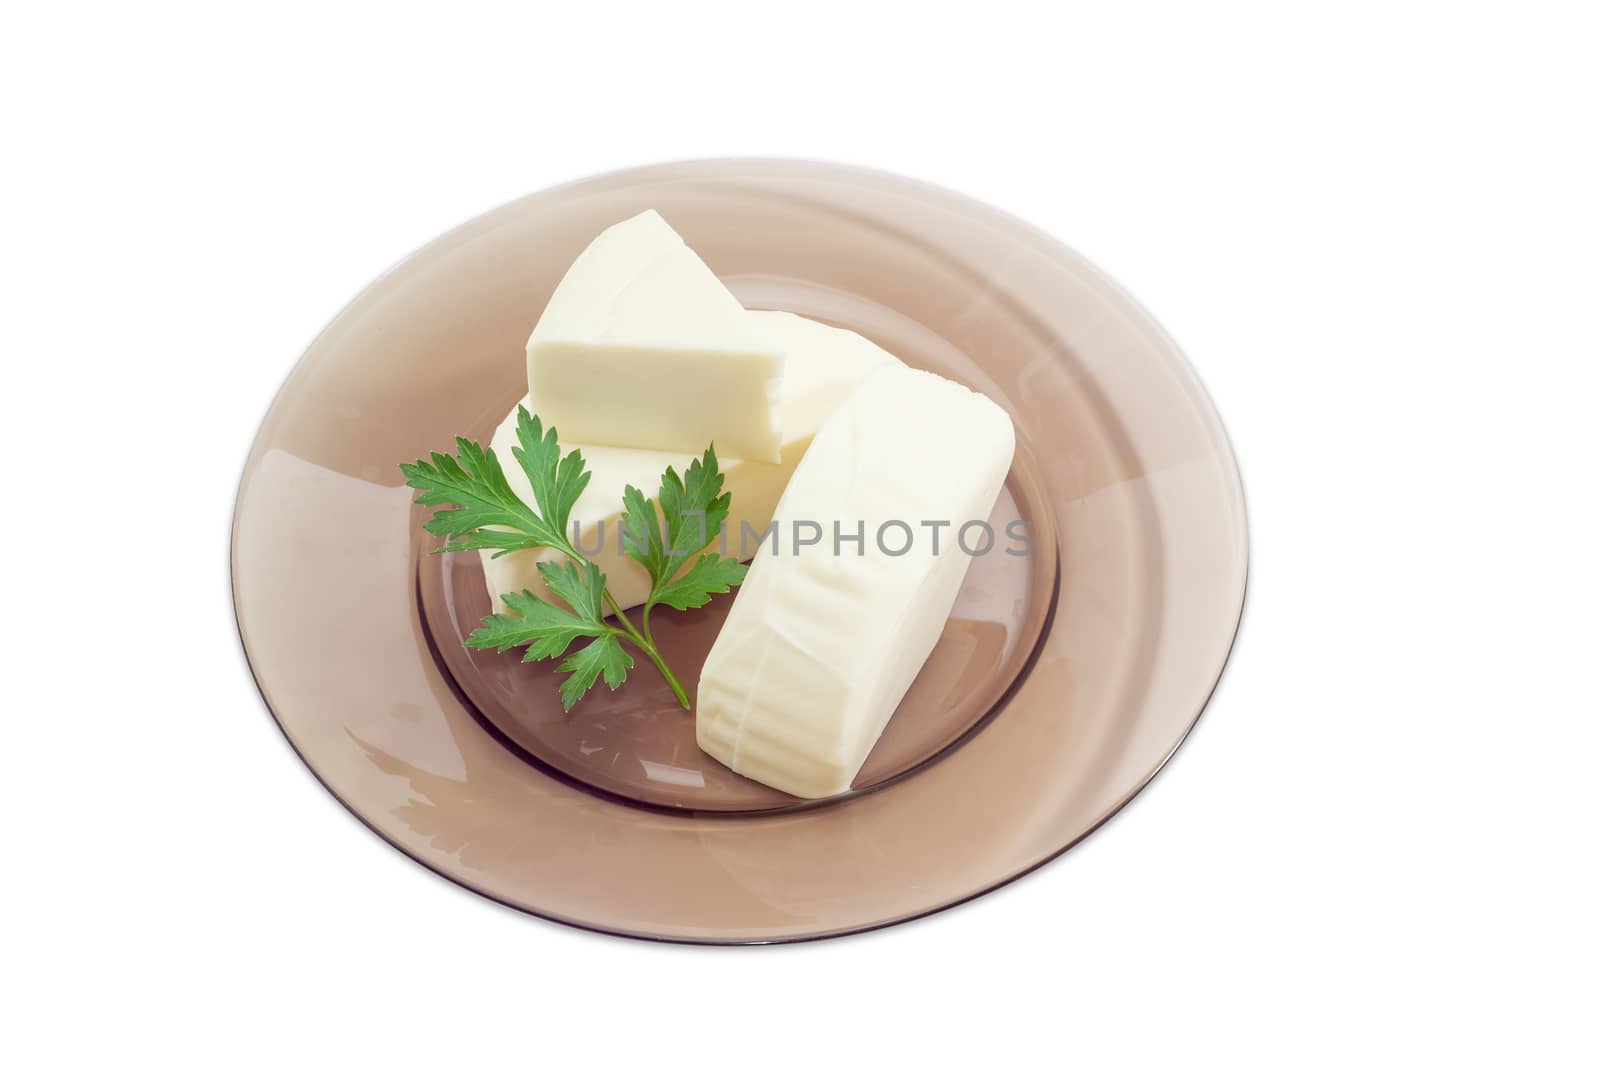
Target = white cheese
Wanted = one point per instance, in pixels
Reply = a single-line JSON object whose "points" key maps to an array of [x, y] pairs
{"points": [[641, 346], [821, 643], [825, 365]]}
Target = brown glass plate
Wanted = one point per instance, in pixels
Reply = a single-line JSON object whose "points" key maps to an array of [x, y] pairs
{"points": [[1063, 680]]}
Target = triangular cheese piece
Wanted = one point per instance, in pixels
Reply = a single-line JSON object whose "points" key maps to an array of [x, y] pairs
{"points": [[641, 346]]}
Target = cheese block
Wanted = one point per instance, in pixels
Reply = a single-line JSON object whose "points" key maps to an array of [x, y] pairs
{"points": [[824, 639], [641, 346], [825, 365]]}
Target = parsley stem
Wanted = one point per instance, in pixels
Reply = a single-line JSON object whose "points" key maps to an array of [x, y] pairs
{"points": [[648, 647], [642, 640]]}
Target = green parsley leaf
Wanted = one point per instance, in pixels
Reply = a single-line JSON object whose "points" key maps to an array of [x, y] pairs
{"points": [[549, 630], [584, 588], [546, 629], [693, 509], [709, 574], [471, 493], [473, 496], [602, 656], [557, 482], [641, 533]]}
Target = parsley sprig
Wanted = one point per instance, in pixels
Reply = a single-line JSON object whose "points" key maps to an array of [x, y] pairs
{"points": [[476, 508]]}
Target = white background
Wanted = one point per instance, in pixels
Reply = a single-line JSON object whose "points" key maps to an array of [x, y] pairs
{"points": [[1375, 231]]}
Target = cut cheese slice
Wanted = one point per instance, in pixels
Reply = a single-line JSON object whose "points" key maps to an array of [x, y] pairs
{"points": [[822, 642], [641, 346], [825, 365]]}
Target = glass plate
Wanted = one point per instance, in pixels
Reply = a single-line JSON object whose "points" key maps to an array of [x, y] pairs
{"points": [[1064, 679]]}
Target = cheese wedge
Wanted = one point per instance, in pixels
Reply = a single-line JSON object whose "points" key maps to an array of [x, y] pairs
{"points": [[825, 365], [822, 642], [641, 346]]}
